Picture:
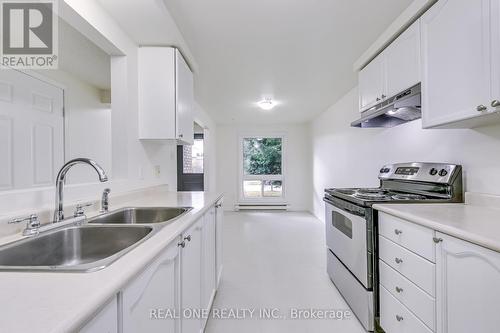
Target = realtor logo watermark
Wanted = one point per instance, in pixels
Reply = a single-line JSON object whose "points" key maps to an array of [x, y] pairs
{"points": [[29, 34]]}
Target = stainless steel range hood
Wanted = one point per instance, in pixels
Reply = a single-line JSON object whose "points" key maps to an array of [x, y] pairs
{"points": [[397, 110]]}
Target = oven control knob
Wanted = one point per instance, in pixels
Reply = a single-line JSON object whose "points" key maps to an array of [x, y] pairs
{"points": [[443, 172], [382, 170], [433, 172]]}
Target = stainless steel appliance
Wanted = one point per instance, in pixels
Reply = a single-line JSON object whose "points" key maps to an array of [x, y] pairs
{"points": [[393, 111], [351, 226]]}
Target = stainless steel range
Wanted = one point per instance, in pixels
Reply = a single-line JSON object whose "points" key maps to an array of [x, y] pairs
{"points": [[351, 226]]}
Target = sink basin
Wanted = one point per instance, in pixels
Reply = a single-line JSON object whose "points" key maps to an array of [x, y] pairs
{"points": [[75, 248], [137, 215]]}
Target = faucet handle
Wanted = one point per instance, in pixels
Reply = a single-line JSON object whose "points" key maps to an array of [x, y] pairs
{"points": [[80, 211], [30, 218], [32, 225]]}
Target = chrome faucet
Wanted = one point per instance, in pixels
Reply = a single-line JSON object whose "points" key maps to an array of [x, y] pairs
{"points": [[105, 200], [61, 177]]}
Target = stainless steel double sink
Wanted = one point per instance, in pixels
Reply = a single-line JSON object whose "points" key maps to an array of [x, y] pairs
{"points": [[88, 247]]}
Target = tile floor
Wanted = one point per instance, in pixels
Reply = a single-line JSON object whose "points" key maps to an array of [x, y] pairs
{"points": [[276, 261]]}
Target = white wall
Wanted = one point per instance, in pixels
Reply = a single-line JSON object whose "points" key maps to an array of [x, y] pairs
{"points": [[297, 162], [348, 157], [202, 118]]}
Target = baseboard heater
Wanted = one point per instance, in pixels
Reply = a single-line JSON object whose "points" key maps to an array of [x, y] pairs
{"points": [[261, 207]]}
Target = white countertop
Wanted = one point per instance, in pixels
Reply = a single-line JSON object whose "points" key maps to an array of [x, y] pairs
{"points": [[62, 302], [472, 222]]}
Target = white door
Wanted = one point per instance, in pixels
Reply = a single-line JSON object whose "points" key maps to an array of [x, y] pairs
{"points": [[468, 289], [31, 131], [151, 303], [372, 83], [219, 226], [185, 100], [456, 60], [191, 278], [403, 61]]}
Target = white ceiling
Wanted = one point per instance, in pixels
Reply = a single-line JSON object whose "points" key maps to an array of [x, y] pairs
{"points": [[298, 52]]}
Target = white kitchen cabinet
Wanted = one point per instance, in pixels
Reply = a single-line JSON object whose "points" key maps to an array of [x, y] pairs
{"points": [[151, 303], [105, 321], [191, 278], [460, 67], [208, 261], [402, 61], [468, 292], [219, 226], [395, 69], [372, 83], [166, 98]]}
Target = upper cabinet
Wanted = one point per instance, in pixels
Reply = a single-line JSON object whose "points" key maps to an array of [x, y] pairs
{"points": [[403, 61], [395, 69], [460, 63], [372, 83], [166, 95]]}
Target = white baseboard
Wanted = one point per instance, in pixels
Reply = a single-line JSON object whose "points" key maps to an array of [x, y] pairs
{"points": [[239, 207]]}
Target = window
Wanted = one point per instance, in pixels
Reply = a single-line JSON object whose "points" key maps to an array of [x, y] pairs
{"points": [[262, 168]]}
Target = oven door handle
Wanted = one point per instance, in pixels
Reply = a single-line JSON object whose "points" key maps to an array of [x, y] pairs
{"points": [[345, 209]]}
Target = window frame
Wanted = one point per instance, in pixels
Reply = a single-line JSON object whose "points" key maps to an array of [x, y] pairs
{"points": [[242, 177]]}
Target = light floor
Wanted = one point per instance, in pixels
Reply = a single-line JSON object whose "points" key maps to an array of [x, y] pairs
{"points": [[277, 260]]}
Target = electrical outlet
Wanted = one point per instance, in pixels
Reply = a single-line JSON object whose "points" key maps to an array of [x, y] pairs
{"points": [[157, 171]]}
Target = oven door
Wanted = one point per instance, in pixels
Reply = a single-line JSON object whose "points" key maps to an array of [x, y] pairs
{"points": [[346, 237]]}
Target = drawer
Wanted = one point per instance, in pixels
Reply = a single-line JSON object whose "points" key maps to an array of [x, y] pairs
{"points": [[418, 270], [405, 291], [412, 236], [396, 318]]}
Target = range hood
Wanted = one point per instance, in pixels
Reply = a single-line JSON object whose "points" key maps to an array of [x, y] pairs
{"points": [[397, 110]]}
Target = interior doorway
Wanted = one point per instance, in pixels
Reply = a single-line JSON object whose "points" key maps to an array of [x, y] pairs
{"points": [[190, 164]]}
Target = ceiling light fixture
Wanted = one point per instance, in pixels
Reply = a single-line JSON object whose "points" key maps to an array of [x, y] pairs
{"points": [[266, 104]]}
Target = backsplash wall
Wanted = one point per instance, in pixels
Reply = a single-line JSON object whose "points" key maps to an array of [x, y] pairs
{"points": [[343, 156]]}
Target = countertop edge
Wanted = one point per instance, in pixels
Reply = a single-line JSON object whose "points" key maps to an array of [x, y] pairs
{"points": [[440, 227]]}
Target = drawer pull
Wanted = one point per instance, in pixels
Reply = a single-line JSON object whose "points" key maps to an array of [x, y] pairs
{"points": [[398, 232], [437, 240], [399, 318], [398, 260], [399, 290]]}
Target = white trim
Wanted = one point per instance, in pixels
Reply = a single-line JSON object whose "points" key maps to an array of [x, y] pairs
{"points": [[242, 177]]}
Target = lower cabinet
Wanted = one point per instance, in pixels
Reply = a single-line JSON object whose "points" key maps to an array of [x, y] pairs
{"points": [[191, 278], [174, 293], [219, 226], [468, 288], [466, 296], [208, 263], [106, 320], [147, 299]]}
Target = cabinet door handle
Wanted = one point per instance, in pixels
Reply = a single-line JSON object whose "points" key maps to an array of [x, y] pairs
{"points": [[399, 318], [481, 108], [181, 135], [398, 232], [378, 99], [188, 238], [399, 290], [437, 240], [182, 244], [398, 260], [495, 103], [383, 96]]}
